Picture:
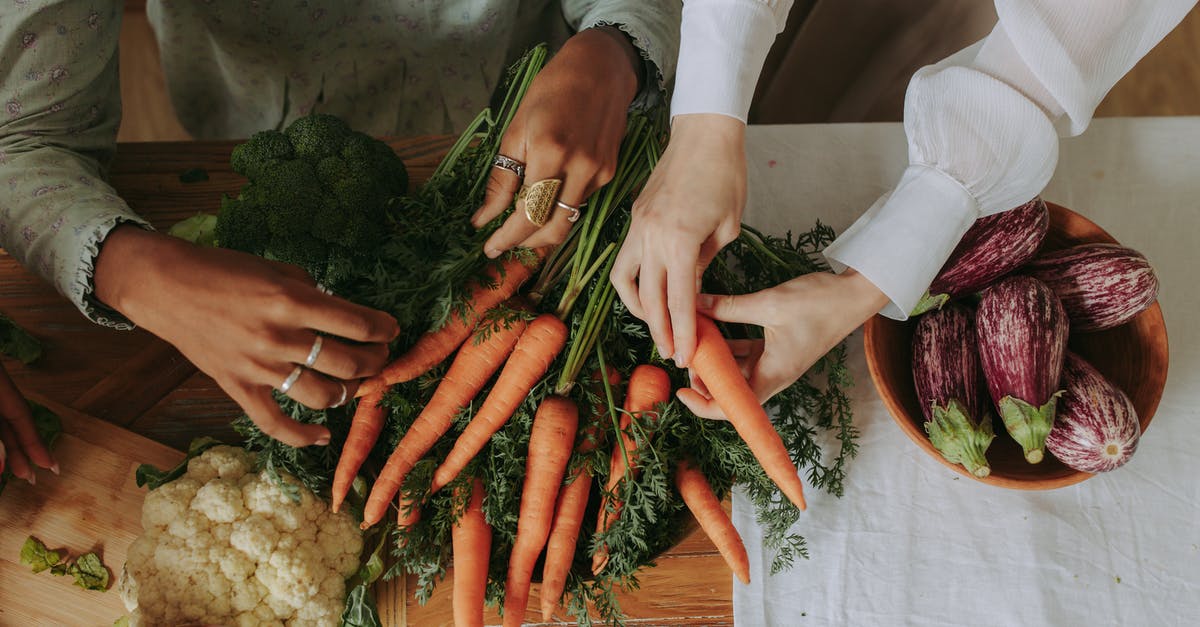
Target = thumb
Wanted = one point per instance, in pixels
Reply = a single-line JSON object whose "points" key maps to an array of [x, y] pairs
{"points": [[744, 308]]}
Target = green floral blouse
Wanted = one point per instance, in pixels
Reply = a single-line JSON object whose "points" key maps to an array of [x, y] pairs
{"points": [[234, 67]]}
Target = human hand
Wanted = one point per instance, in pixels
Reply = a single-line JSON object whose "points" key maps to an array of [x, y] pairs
{"points": [[802, 320], [569, 127], [20, 447], [689, 210], [245, 321]]}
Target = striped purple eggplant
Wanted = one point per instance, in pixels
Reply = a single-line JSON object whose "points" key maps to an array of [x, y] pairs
{"points": [[994, 246], [1022, 330], [1100, 285], [1097, 428], [950, 388]]}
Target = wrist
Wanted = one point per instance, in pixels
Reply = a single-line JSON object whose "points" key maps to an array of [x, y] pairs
{"points": [[125, 254], [622, 48], [865, 297]]}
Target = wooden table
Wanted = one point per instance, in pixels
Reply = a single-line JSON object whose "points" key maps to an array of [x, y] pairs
{"points": [[134, 380]]}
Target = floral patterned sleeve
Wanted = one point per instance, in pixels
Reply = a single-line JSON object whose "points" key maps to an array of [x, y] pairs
{"points": [[653, 27], [61, 109]]}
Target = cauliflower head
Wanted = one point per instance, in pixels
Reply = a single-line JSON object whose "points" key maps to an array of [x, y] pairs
{"points": [[223, 544]]}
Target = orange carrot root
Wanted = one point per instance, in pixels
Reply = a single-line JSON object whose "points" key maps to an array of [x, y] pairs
{"points": [[471, 540], [715, 365], [550, 441], [471, 370], [368, 421], [539, 345], [700, 499]]}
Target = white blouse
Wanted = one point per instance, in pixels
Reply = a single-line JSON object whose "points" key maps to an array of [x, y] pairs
{"points": [[983, 125]]}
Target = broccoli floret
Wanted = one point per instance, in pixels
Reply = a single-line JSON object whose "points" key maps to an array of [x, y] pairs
{"points": [[318, 196], [318, 135], [241, 226], [251, 158]]}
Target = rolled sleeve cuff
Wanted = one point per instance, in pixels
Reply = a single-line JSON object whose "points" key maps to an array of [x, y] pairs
{"points": [[903, 240], [78, 285], [717, 73]]}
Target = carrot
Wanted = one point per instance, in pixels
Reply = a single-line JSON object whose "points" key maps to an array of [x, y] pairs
{"points": [[408, 515], [649, 386], [699, 497], [568, 514], [550, 441], [368, 421], [471, 539], [435, 346], [537, 348], [714, 364], [472, 368]]}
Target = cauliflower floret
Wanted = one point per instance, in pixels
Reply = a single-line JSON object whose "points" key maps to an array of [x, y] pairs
{"points": [[169, 502], [225, 545], [220, 501], [221, 462]]}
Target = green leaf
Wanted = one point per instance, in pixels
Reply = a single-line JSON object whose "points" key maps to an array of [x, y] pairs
{"points": [[151, 477], [35, 555], [360, 608], [89, 572], [199, 229], [17, 343]]}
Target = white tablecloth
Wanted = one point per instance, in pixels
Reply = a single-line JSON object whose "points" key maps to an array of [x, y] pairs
{"points": [[912, 543]]}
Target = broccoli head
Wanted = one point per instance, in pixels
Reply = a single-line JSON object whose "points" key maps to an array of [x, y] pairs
{"points": [[318, 195]]}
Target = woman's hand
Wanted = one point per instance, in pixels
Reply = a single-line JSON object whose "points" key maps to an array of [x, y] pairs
{"points": [[569, 127], [802, 320], [690, 208], [245, 321], [20, 447]]}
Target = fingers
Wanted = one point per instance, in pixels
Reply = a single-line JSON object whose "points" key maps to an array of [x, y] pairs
{"points": [[681, 305], [18, 464], [624, 276], [700, 405], [574, 193], [315, 390], [502, 184], [262, 409], [745, 308], [336, 358], [342, 318], [652, 295], [15, 409]]}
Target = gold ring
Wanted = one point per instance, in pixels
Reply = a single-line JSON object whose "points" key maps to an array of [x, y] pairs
{"points": [[539, 199]]}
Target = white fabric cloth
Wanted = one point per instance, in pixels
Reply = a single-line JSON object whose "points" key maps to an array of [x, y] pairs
{"points": [[988, 118], [912, 542]]}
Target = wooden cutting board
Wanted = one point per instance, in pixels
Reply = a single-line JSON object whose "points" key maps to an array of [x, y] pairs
{"points": [[94, 505]]}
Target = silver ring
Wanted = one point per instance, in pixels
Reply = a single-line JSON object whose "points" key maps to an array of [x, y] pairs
{"points": [[574, 210], [341, 401], [291, 380], [312, 353], [505, 162], [324, 290]]}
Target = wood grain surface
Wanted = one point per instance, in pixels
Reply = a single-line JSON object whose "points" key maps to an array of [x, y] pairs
{"points": [[94, 505]]}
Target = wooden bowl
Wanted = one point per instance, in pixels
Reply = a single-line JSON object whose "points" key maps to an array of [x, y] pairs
{"points": [[1132, 356]]}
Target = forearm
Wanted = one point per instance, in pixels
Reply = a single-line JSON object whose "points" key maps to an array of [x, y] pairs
{"points": [[651, 27]]}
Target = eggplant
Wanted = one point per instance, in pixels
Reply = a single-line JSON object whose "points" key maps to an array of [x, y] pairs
{"points": [[950, 388], [1097, 428], [994, 246], [1100, 285], [1022, 331]]}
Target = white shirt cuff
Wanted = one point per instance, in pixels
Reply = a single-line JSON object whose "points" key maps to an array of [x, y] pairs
{"points": [[717, 72], [904, 239]]}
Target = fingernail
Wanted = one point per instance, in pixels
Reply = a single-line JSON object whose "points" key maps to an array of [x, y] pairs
{"points": [[679, 361], [32, 478], [662, 352], [54, 468], [323, 441], [705, 301], [491, 253]]}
